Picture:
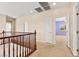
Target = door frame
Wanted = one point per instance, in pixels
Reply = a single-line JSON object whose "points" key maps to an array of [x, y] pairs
{"points": [[67, 29]]}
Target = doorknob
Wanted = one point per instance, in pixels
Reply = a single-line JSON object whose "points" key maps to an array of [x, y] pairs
{"points": [[77, 14], [77, 50], [77, 32]]}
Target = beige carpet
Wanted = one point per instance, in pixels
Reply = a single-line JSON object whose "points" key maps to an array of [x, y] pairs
{"points": [[48, 50]]}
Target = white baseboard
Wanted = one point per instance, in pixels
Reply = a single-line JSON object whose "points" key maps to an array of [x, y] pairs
{"points": [[74, 52], [45, 41]]}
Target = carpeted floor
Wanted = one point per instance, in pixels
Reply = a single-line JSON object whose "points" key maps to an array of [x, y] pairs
{"points": [[49, 50]]}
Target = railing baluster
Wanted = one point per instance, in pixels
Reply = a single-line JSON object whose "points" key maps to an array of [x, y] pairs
{"points": [[17, 46], [25, 52], [27, 47], [3, 44], [13, 47], [29, 44], [4, 47], [20, 46], [35, 40], [23, 46], [9, 47]]}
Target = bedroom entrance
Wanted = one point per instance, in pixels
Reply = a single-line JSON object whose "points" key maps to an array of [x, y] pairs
{"points": [[8, 26], [60, 31]]}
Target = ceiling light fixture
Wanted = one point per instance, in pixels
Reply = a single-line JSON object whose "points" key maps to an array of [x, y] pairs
{"points": [[54, 3]]}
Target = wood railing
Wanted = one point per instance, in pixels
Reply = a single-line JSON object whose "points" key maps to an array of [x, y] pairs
{"points": [[17, 44]]}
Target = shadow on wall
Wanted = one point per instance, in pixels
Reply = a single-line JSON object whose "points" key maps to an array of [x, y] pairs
{"points": [[60, 28]]}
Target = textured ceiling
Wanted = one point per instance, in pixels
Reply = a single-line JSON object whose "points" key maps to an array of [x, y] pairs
{"points": [[18, 9]]}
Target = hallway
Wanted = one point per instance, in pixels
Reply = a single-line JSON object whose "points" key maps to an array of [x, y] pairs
{"points": [[48, 50]]}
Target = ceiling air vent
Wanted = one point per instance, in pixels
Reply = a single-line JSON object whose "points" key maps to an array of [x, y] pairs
{"points": [[38, 9], [47, 8], [45, 5]]}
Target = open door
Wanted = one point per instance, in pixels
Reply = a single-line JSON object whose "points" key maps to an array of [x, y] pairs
{"points": [[67, 31], [78, 34], [77, 30]]}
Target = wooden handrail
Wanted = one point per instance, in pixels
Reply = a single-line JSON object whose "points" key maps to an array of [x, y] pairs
{"points": [[17, 35], [26, 47]]}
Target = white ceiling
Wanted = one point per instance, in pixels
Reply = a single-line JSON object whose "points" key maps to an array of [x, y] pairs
{"points": [[18, 9]]}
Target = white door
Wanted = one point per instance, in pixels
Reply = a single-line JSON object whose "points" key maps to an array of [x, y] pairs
{"points": [[8, 28], [67, 30], [25, 27], [78, 34]]}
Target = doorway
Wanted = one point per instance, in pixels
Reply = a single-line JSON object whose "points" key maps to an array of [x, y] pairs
{"points": [[60, 31], [8, 28]]}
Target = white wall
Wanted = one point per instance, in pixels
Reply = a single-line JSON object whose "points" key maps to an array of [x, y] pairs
{"points": [[63, 12], [71, 13], [43, 22], [2, 22], [73, 29]]}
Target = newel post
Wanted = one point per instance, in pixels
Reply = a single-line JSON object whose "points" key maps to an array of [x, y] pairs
{"points": [[35, 40], [3, 43]]}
